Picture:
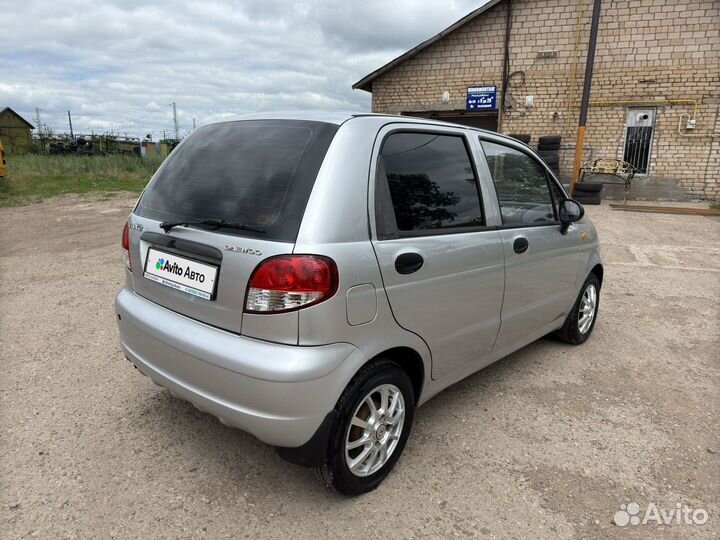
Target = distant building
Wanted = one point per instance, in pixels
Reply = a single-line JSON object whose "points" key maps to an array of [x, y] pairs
{"points": [[655, 98], [15, 132]]}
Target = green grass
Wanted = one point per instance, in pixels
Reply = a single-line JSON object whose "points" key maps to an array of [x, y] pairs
{"points": [[715, 206], [35, 177]]}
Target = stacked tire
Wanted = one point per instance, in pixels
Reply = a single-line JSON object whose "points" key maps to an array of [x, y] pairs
{"points": [[549, 151], [522, 137], [588, 193]]}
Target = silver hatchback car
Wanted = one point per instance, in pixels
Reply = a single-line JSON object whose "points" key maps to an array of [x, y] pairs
{"points": [[313, 278]]}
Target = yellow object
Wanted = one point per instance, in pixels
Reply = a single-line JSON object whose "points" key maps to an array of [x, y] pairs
{"points": [[3, 163], [685, 134], [692, 102], [648, 102], [578, 158], [571, 93]]}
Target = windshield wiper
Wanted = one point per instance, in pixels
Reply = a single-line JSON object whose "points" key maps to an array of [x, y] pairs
{"points": [[167, 225]]}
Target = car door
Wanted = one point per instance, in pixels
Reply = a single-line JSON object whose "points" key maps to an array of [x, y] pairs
{"points": [[541, 263], [441, 264]]}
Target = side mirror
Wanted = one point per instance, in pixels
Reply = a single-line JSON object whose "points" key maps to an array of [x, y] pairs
{"points": [[570, 212]]}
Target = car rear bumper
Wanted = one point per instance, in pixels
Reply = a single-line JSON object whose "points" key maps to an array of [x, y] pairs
{"points": [[279, 393]]}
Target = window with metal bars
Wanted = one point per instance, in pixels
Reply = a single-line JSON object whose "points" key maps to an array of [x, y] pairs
{"points": [[638, 138]]}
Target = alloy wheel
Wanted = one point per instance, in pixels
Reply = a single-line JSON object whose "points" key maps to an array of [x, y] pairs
{"points": [[374, 430], [588, 306]]}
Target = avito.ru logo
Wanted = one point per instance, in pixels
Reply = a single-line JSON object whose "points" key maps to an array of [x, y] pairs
{"points": [[175, 268], [629, 514]]}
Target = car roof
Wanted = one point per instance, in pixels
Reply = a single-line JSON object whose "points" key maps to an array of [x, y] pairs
{"points": [[331, 117], [340, 117]]}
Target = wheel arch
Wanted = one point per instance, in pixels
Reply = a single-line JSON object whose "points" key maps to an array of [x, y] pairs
{"points": [[312, 453], [599, 272], [410, 362]]}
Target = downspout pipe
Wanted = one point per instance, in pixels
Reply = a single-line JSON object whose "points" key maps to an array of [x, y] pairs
{"points": [[584, 104], [506, 62]]}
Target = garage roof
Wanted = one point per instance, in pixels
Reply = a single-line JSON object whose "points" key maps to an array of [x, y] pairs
{"points": [[8, 109], [366, 82]]}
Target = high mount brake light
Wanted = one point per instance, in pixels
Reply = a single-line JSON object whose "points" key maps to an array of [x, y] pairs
{"points": [[291, 282]]}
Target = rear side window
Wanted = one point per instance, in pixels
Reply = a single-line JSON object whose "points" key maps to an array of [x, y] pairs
{"points": [[257, 172], [521, 185], [426, 183]]}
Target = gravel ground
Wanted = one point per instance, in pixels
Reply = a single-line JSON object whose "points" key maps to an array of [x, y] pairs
{"points": [[548, 442]]}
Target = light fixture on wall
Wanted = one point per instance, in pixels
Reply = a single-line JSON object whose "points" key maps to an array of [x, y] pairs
{"points": [[529, 101], [446, 97]]}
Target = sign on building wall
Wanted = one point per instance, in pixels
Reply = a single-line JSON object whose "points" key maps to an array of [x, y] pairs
{"points": [[481, 98]]}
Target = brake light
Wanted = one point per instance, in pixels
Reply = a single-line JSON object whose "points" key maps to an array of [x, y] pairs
{"points": [[126, 246], [290, 282]]}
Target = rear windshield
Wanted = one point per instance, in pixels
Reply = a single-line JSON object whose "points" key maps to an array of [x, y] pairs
{"points": [[256, 172]]}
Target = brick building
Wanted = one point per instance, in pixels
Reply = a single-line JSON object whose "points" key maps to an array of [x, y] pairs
{"points": [[657, 68]]}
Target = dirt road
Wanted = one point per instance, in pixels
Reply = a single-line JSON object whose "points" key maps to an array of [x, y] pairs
{"points": [[546, 443]]}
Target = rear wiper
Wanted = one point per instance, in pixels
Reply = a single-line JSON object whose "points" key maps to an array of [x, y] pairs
{"points": [[167, 225]]}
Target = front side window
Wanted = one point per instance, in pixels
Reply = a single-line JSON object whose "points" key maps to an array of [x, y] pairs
{"points": [[431, 184], [521, 185]]}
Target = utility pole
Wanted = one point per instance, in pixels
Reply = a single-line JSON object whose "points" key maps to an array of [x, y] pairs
{"points": [[72, 136], [580, 142], [175, 122], [39, 127], [193, 123]]}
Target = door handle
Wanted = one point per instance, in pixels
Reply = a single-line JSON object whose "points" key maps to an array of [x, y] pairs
{"points": [[520, 245], [408, 263]]}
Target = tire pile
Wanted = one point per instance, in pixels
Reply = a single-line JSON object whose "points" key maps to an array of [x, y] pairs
{"points": [[523, 138], [588, 192], [81, 146], [549, 151]]}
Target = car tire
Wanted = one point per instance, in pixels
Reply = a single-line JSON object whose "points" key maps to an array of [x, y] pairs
{"points": [[548, 147], [386, 428], [549, 140], [588, 187], [582, 317], [522, 137], [584, 198]]}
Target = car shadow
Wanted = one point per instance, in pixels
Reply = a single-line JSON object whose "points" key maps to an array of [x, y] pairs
{"points": [[206, 449]]}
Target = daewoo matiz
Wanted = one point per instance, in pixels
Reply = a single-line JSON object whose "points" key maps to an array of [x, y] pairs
{"points": [[312, 279]]}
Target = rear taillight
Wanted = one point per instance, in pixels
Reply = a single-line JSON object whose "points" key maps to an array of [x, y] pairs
{"points": [[126, 246], [289, 282]]}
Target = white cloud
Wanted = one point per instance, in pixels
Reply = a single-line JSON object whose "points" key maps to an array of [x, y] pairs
{"points": [[118, 64]]}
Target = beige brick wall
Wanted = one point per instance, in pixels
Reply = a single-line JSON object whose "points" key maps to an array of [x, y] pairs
{"points": [[654, 50]]}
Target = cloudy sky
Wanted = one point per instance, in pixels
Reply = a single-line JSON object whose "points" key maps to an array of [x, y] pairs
{"points": [[118, 64]]}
